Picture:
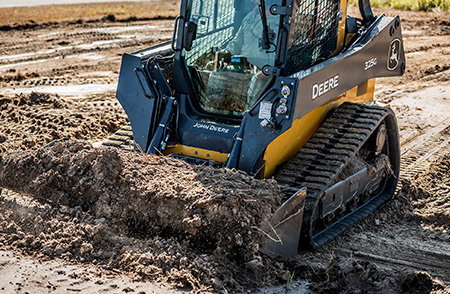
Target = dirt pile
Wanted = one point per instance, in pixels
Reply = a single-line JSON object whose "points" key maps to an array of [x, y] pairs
{"points": [[149, 215], [33, 120]]}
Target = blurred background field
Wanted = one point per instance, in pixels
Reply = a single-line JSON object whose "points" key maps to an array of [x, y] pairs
{"points": [[154, 9], [422, 5], [91, 11]]}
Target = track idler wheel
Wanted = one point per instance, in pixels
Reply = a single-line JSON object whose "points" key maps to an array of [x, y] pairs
{"points": [[365, 197], [377, 140], [340, 212], [353, 204], [328, 219]]}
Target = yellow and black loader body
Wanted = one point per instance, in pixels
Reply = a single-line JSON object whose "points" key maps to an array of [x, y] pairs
{"points": [[310, 123]]}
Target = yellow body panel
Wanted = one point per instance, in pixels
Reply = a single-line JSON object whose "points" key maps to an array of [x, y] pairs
{"points": [[285, 146], [196, 152]]}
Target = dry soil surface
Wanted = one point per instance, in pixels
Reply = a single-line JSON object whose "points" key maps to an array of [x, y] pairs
{"points": [[78, 221]]}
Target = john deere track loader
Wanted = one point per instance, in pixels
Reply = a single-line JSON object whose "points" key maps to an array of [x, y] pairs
{"points": [[276, 88]]}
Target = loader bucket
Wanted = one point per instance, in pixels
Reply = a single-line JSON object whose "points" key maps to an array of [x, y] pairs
{"points": [[283, 229], [135, 98]]}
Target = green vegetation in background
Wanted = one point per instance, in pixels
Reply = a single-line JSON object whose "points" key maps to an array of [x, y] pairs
{"points": [[423, 5]]}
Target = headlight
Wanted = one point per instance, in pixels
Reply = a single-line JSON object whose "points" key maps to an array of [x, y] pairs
{"points": [[285, 91]]}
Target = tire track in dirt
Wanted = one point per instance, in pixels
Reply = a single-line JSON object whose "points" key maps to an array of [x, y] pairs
{"points": [[80, 54], [419, 158], [51, 45]]}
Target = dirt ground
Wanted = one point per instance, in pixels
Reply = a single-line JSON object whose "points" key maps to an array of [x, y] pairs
{"points": [[73, 217]]}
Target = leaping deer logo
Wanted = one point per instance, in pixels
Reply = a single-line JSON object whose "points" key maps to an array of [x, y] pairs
{"points": [[393, 54]]}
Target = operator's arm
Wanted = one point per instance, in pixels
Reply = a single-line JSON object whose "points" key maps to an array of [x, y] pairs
{"points": [[237, 42]]}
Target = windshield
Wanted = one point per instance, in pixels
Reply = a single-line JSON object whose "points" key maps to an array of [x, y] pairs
{"points": [[228, 55]]}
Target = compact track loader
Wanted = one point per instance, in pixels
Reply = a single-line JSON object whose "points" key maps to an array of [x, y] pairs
{"points": [[275, 88]]}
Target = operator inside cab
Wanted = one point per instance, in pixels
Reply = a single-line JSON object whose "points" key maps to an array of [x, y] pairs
{"points": [[235, 40], [248, 40]]}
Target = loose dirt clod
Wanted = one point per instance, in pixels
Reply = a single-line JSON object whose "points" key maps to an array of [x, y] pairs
{"points": [[421, 282], [200, 222]]}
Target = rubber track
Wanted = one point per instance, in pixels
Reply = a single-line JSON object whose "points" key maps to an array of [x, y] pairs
{"points": [[319, 162], [122, 139]]}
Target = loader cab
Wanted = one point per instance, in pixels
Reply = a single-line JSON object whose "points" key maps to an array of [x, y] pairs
{"points": [[234, 40], [221, 48], [229, 54], [230, 62]]}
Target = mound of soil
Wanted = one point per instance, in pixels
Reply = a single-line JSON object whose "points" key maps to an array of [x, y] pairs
{"points": [[149, 215], [33, 120]]}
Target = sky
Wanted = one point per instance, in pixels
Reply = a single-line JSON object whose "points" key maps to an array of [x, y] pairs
{"points": [[18, 3]]}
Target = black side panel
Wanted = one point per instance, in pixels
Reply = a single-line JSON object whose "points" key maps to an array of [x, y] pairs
{"points": [[198, 131], [378, 53]]}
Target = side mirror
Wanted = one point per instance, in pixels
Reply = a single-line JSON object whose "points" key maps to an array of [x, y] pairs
{"points": [[189, 34]]}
